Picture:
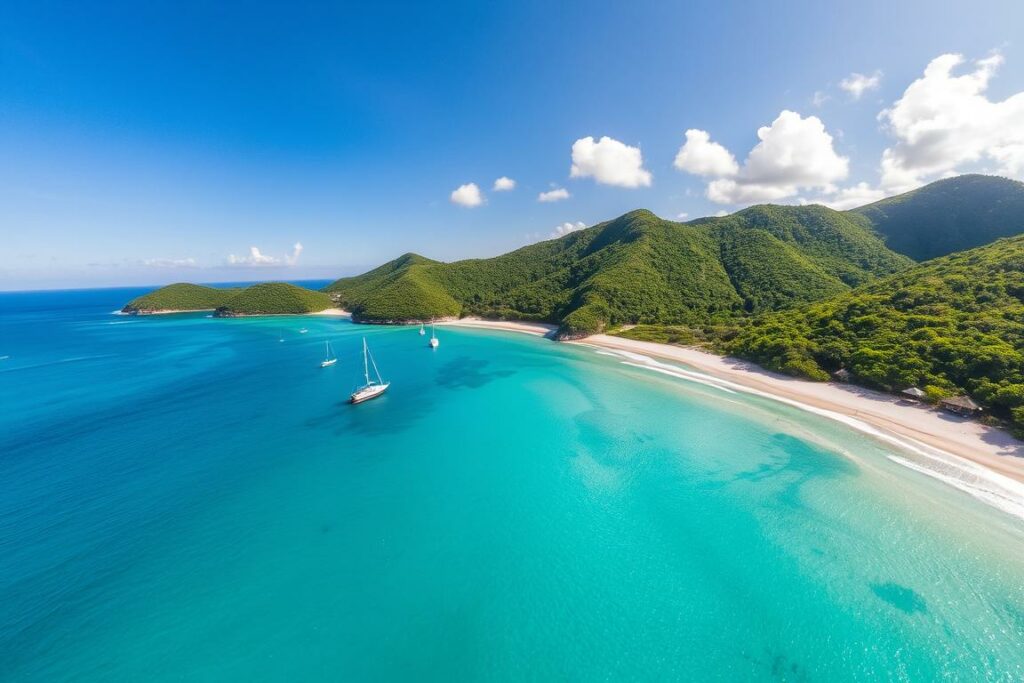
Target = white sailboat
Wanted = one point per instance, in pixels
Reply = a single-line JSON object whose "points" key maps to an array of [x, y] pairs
{"points": [[303, 330], [433, 337], [280, 336], [422, 331], [372, 389], [331, 359]]}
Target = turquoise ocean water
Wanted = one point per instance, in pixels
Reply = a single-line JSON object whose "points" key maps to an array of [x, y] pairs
{"points": [[184, 498]]}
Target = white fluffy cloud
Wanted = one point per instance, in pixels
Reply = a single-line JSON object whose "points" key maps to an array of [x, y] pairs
{"points": [[794, 153], [504, 184], [945, 121], [857, 84], [556, 195], [169, 262], [293, 258], [565, 228], [609, 162], [682, 216], [467, 195], [700, 156], [257, 258]]}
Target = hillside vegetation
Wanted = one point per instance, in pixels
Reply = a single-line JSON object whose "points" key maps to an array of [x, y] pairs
{"points": [[262, 299], [181, 296], [951, 325], [637, 268], [948, 215], [275, 298]]}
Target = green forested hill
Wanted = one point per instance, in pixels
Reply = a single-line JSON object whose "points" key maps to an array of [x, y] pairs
{"points": [[637, 268], [181, 296], [948, 215], [275, 298], [953, 324], [266, 298]]}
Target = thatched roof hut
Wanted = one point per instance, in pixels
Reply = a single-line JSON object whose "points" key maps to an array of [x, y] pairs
{"points": [[961, 405], [914, 393]]}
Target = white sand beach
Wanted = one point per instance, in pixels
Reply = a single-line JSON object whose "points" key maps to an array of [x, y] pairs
{"points": [[510, 325], [962, 437], [336, 312], [904, 422]]}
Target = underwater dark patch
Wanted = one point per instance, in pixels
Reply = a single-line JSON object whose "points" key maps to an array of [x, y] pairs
{"points": [[905, 599], [468, 373]]}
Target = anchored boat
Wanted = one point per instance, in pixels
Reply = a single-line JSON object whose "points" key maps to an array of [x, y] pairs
{"points": [[372, 389], [331, 359]]}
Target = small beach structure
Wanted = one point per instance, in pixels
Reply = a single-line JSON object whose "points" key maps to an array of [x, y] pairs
{"points": [[961, 405], [841, 375], [914, 393]]}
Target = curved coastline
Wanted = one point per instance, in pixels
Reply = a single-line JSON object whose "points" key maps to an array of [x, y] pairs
{"points": [[982, 461]]}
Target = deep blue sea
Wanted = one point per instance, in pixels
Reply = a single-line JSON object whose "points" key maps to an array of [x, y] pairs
{"points": [[191, 499]]}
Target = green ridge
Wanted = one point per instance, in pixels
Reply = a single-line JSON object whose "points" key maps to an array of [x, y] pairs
{"points": [[275, 298], [951, 325], [181, 296], [637, 268], [948, 215], [270, 298]]}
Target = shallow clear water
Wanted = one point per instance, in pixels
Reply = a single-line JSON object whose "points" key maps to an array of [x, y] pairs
{"points": [[190, 499]]}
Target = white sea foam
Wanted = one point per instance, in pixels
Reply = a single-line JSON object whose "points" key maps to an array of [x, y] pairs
{"points": [[990, 487]]}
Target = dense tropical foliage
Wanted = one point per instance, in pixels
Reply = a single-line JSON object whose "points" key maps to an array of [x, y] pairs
{"points": [[266, 298], [181, 296], [275, 298], [637, 268], [948, 215], [951, 325]]}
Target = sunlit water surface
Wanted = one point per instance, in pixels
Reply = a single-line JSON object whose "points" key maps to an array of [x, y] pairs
{"points": [[186, 498]]}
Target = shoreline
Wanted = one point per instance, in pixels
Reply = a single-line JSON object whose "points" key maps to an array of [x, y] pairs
{"points": [[336, 312], [168, 311], [992, 448], [541, 329], [893, 420]]}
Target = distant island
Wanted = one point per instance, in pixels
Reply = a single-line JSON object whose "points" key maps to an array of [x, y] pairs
{"points": [[804, 290], [268, 298]]}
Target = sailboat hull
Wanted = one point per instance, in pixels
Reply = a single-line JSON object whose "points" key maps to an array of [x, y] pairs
{"points": [[328, 363], [368, 392]]}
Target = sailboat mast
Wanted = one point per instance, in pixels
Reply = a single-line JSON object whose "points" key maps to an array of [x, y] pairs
{"points": [[380, 380], [366, 367]]}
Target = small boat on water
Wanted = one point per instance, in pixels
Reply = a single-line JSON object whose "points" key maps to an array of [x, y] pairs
{"points": [[331, 359], [303, 330], [422, 331], [433, 337], [372, 389], [280, 336]]}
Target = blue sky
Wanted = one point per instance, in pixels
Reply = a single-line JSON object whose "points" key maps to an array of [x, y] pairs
{"points": [[145, 143]]}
